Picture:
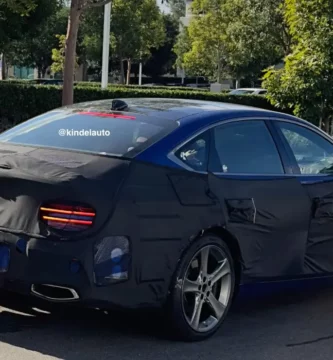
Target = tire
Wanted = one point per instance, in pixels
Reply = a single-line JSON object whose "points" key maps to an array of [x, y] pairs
{"points": [[181, 314]]}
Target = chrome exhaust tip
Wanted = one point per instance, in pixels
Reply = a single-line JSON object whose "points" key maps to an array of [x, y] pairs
{"points": [[54, 293]]}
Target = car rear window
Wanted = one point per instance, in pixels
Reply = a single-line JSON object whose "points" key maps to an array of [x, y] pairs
{"points": [[95, 132]]}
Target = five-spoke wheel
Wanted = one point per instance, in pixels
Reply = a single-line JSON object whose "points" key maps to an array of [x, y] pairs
{"points": [[204, 288]]}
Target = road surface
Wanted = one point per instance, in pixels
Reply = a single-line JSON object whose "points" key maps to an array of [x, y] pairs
{"points": [[295, 327]]}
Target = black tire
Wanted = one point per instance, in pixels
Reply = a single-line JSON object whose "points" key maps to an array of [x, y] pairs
{"points": [[179, 326]]}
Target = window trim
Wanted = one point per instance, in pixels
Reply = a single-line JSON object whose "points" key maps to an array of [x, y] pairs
{"points": [[172, 155], [287, 148], [266, 119]]}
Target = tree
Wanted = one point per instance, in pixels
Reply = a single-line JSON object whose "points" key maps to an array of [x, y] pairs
{"points": [[163, 58], [234, 37], [91, 33], [206, 35], [22, 7], [137, 28], [256, 36], [177, 7], [18, 24], [35, 49], [182, 46], [77, 8], [305, 83]]}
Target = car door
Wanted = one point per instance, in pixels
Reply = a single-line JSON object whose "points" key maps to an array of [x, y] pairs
{"points": [[312, 153], [263, 205]]}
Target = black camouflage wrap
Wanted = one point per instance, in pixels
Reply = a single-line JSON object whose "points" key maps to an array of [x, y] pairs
{"points": [[282, 228]]}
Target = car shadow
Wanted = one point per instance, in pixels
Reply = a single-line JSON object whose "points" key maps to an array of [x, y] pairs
{"points": [[73, 333]]}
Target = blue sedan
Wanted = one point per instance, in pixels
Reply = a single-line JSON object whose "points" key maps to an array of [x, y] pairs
{"points": [[163, 203]]}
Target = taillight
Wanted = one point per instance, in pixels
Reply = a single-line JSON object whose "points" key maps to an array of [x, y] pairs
{"points": [[67, 217]]}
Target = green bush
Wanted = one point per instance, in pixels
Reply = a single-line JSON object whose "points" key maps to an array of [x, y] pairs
{"points": [[98, 84], [181, 88], [19, 101]]}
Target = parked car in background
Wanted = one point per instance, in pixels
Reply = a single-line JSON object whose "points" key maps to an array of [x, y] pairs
{"points": [[153, 84], [47, 81], [248, 91]]}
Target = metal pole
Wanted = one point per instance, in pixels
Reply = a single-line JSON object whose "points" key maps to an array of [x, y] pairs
{"points": [[140, 74], [106, 45]]}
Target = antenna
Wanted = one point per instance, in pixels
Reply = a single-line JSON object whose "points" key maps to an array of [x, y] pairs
{"points": [[119, 105]]}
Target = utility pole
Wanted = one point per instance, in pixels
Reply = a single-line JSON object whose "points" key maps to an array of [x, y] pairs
{"points": [[106, 45], [140, 71]]}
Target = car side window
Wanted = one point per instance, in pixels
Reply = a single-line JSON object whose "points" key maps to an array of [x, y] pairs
{"points": [[313, 153], [244, 147], [194, 153]]}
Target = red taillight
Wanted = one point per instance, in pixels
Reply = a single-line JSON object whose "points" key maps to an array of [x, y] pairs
{"points": [[67, 217], [101, 114]]}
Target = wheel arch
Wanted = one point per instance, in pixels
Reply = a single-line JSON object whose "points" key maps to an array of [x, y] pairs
{"points": [[233, 246]]}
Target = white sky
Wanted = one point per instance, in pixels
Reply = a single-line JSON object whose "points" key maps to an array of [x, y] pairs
{"points": [[163, 7]]}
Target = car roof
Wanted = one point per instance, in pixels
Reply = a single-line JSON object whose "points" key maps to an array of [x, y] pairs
{"points": [[250, 89], [185, 111], [174, 109]]}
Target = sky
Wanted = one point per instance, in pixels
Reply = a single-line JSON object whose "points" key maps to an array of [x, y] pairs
{"points": [[163, 7]]}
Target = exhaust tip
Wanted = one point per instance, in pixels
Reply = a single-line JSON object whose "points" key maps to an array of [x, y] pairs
{"points": [[54, 293]]}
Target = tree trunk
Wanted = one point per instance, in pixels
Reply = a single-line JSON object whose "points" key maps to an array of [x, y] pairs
{"points": [[70, 52], [129, 66], [122, 73], [85, 71], [327, 125], [44, 69], [320, 125], [3, 69], [219, 72]]}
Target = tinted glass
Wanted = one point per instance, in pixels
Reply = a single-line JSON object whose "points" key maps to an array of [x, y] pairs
{"points": [[244, 147], [91, 132], [313, 153], [195, 153]]}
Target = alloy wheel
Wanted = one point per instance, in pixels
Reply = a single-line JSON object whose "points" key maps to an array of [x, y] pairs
{"points": [[206, 288]]}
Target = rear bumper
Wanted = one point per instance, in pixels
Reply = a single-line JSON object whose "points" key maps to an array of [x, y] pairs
{"points": [[64, 272]]}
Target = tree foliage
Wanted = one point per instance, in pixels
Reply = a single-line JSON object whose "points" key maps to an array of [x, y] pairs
{"points": [[305, 83], [256, 35], [177, 7], [14, 26], [22, 7], [35, 49], [20, 22], [163, 58], [233, 37], [136, 28], [91, 33], [183, 46], [206, 34]]}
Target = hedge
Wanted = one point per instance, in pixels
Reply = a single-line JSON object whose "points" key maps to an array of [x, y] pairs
{"points": [[19, 102], [98, 84], [161, 87]]}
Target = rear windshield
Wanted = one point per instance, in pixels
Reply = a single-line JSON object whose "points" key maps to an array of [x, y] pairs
{"points": [[102, 133]]}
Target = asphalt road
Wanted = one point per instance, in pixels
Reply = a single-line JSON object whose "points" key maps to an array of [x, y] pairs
{"points": [[289, 328]]}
